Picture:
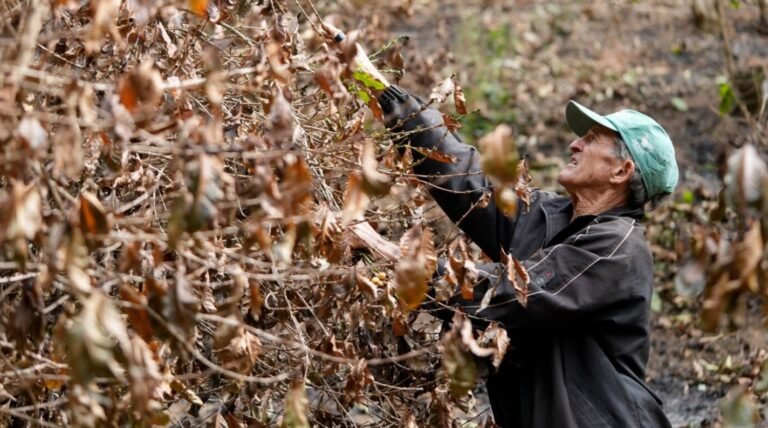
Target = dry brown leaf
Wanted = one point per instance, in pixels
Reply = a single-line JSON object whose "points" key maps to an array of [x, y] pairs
{"points": [[141, 87], [459, 100], [451, 123], [414, 270], [495, 337], [24, 216], [499, 157], [144, 377], [518, 277], [199, 7], [745, 180], [365, 285], [236, 348], [358, 378], [280, 121], [137, 315], [442, 91], [437, 155], [458, 361], [296, 407], [355, 199], [375, 183], [105, 14], [93, 217]]}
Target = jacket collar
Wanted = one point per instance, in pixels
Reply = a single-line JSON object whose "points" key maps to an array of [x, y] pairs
{"points": [[558, 214]]}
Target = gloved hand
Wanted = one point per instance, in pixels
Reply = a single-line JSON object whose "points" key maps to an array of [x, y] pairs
{"points": [[398, 106]]}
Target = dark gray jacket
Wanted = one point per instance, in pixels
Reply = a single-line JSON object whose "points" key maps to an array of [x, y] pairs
{"points": [[581, 344]]}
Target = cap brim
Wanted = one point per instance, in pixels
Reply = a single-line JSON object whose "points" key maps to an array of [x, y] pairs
{"points": [[581, 119]]}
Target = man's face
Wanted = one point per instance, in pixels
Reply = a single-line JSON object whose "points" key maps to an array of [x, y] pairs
{"points": [[593, 161]]}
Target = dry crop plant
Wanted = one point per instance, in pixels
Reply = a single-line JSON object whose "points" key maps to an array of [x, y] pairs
{"points": [[180, 187]]}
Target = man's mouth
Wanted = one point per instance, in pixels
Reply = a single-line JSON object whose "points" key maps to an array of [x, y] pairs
{"points": [[572, 161]]}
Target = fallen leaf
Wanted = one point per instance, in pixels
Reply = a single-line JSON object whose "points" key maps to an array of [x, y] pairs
{"points": [[141, 87], [236, 348]]}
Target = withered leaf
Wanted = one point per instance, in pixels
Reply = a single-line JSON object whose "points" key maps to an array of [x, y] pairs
{"points": [[451, 123], [518, 277], [93, 218], [236, 348], [141, 87], [25, 216], [199, 7], [458, 362], [498, 155], [442, 91], [256, 298], [365, 285], [745, 179], [359, 377], [138, 318], [414, 270], [375, 183], [495, 337], [355, 199], [459, 100], [296, 407], [92, 339], [437, 155], [281, 124]]}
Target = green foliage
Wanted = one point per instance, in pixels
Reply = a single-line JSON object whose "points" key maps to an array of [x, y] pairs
{"points": [[367, 80], [679, 104], [487, 50], [727, 96]]}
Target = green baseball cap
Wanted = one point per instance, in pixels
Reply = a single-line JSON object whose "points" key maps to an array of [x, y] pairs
{"points": [[648, 143]]}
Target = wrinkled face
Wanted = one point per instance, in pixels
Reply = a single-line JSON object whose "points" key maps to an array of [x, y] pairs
{"points": [[593, 161]]}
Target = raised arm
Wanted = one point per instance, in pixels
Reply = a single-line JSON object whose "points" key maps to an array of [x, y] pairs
{"points": [[458, 186], [601, 274]]}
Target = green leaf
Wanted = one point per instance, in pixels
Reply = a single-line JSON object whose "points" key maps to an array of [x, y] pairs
{"points": [[735, 4], [363, 96], [679, 104], [727, 97], [368, 80]]}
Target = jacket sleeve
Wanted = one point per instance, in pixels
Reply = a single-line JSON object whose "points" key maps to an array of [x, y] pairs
{"points": [[582, 280], [458, 186]]}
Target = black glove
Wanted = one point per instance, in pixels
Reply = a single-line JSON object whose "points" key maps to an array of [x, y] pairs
{"points": [[398, 106]]}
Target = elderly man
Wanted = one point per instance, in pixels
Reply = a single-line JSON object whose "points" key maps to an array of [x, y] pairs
{"points": [[580, 345]]}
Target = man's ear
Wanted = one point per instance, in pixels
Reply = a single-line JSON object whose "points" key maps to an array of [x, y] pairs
{"points": [[623, 172]]}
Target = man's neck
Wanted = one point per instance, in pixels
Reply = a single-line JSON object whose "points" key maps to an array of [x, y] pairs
{"points": [[594, 203]]}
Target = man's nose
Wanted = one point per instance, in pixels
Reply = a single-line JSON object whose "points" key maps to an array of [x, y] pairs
{"points": [[576, 145]]}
